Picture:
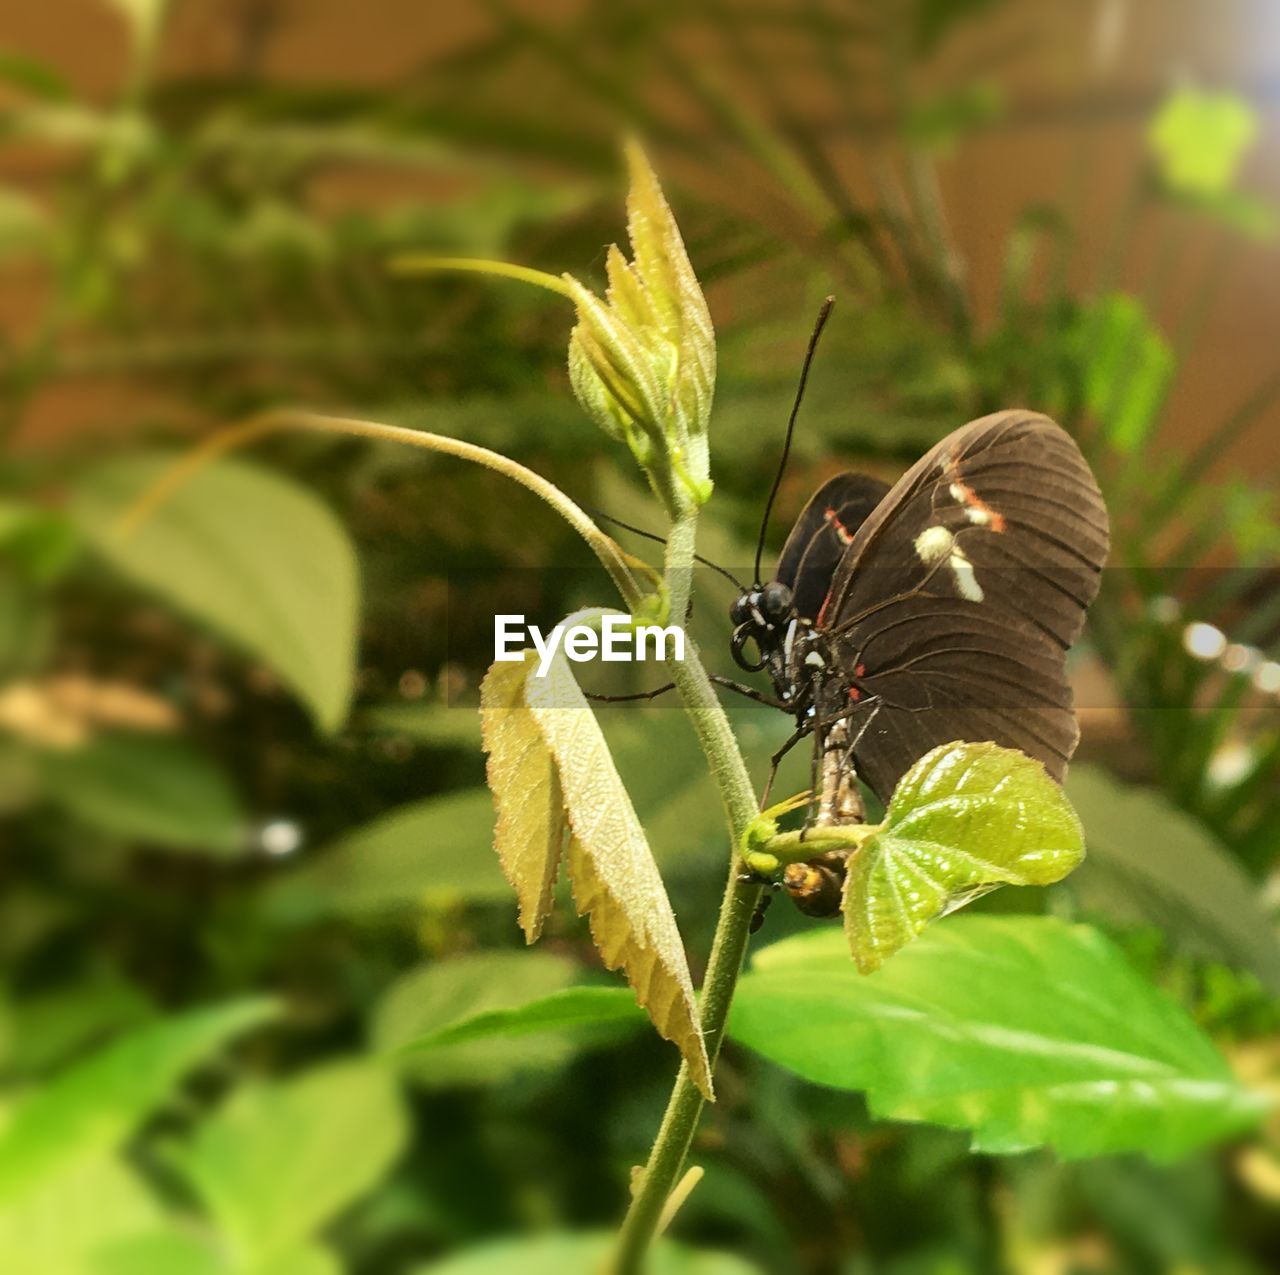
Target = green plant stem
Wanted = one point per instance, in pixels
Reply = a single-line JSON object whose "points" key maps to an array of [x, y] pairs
{"points": [[284, 420], [671, 1146]]}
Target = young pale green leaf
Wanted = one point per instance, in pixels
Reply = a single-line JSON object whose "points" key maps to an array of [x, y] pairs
{"points": [[150, 789], [642, 362], [279, 1160], [1199, 139], [92, 1107], [530, 833], [1151, 864], [247, 552], [615, 880], [964, 819], [580, 1253], [1025, 1030]]}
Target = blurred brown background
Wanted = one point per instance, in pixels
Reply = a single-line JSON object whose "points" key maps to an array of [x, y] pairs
{"points": [[1065, 66]]}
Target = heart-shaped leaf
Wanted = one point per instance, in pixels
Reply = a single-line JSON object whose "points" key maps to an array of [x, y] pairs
{"points": [[964, 819]]}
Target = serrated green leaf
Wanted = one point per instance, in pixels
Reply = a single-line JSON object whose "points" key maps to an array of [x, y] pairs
{"points": [[150, 789], [1025, 1030], [1149, 863], [531, 822], [1199, 139], [575, 1007], [582, 1253], [93, 1106], [279, 1160], [964, 819], [248, 552], [533, 722]]}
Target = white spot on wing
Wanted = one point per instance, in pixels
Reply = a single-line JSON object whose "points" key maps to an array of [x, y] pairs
{"points": [[933, 544], [966, 580]]}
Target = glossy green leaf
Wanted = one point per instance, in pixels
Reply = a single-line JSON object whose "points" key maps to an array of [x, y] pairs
{"points": [[435, 851], [1151, 864], [148, 788], [1199, 139], [964, 819], [580, 1007], [248, 552], [448, 993], [583, 1253], [1023, 1029], [95, 1105], [279, 1160]]}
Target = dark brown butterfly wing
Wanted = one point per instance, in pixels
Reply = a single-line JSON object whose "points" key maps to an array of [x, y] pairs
{"points": [[960, 594], [822, 534]]}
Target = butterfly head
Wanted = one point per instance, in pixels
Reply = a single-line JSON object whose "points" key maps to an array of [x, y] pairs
{"points": [[763, 615]]}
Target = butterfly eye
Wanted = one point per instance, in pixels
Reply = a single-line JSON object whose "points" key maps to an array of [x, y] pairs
{"points": [[775, 602], [740, 610]]}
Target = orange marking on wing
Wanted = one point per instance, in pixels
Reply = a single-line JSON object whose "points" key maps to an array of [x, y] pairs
{"points": [[841, 530], [995, 519]]}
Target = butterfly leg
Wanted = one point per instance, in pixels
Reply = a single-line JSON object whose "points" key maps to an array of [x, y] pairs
{"points": [[775, 761], [619, 699], [750, 692], [820, 726]]}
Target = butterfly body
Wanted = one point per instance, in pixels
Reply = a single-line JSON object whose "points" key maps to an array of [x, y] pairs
{"points": [[939, 609]]}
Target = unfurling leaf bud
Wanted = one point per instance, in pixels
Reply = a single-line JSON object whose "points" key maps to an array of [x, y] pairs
{"points": [[642, 361]]}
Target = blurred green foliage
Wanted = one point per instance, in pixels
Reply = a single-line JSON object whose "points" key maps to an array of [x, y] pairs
{"points": [[207, 796]]}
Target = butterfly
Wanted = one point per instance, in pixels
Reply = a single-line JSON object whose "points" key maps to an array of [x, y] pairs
{"points": [[939, 609]]}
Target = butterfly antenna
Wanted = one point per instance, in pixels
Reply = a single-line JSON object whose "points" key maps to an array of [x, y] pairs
{"points": [[650, 535], [823, 315]]}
